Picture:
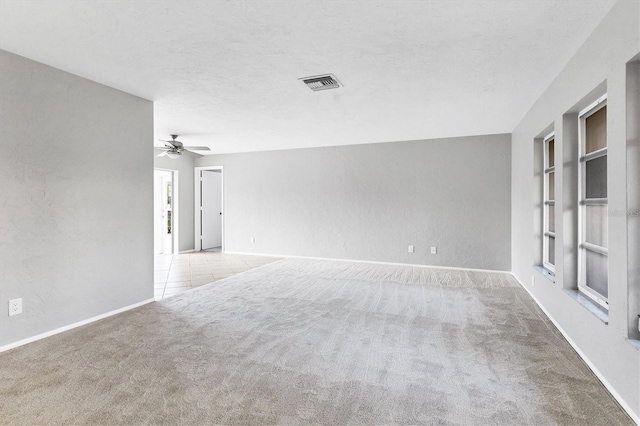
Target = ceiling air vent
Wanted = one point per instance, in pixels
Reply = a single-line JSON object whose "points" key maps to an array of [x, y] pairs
{"points": [[321, 82]]}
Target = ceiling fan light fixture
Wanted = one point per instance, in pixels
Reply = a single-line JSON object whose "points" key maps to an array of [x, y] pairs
{"points": [[174, 147]]}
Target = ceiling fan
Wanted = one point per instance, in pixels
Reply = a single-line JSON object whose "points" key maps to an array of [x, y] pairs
{"points": [[173, 148]]}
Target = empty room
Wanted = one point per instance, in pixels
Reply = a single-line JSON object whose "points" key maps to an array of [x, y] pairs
{"points": [[320, 212]]}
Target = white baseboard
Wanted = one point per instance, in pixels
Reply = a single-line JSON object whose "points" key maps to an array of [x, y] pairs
{"points": [[71, 326], [186, 251], [366, 261], [634, 416]]}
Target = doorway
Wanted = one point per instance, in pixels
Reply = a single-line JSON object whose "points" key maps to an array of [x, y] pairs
{"points": [[165, 211], [209, 216]]}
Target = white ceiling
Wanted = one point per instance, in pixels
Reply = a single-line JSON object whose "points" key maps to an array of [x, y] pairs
{"points": [[225, 73]]}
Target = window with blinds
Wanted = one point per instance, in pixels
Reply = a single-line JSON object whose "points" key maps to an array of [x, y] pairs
{"points": [[549, 228], [593, 264]]}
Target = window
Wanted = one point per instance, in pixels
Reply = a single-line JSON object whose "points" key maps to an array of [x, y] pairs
{"points": [[593, 263], [548, 221]]}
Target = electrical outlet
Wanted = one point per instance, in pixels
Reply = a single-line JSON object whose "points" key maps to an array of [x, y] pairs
{"points": [[533, 281], [410, 249], [253, 240], [434, 250], [15, 307]]}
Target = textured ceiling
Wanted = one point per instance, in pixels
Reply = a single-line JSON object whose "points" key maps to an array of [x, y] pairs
{"points": [[225, 73]]}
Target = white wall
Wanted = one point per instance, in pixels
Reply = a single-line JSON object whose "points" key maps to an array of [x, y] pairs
{"points": [[599, 66], [184, 166], [76, 210], [369, 202]]}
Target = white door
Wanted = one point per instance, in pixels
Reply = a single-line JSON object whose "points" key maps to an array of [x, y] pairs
{"points": [[211, 208], [163, 212]]}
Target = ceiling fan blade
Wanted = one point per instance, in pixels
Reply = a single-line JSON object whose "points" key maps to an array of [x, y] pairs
{"points": [[163, 153], [197, 148]]}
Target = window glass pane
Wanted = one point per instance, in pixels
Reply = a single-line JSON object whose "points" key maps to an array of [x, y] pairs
{"points": [[597, 231], [596, 178], [596, 130], [552, 250], [597, 272], [552, 186], [550, 153], [551, 219]]}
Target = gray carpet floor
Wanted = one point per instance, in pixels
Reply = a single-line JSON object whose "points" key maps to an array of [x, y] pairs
{"points": [[314, 342]]}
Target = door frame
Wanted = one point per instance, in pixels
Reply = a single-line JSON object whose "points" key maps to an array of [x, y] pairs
{"points": [[197, 205], [175, 194]]}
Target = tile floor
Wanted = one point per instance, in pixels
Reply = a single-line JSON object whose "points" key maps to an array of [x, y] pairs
{"points": [[176, 273]]}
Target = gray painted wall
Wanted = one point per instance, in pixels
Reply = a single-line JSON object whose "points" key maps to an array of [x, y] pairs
{"points": [[76, 221], [369, 202], [184, 167], [599, 66], [633, 193]]}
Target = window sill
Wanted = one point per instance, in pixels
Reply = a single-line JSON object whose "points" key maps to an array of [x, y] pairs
{"points": [[634, 343], [590, 305], [545, 272]]}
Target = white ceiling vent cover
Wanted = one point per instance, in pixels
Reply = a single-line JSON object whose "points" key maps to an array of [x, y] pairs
{"points": [[321, 82]]}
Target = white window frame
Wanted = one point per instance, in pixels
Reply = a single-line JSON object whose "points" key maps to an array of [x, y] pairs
{"points": [[583, 245], [546, 233]]}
